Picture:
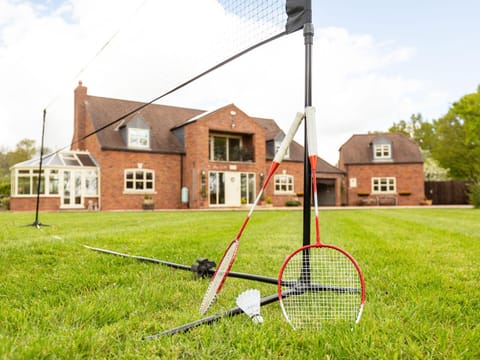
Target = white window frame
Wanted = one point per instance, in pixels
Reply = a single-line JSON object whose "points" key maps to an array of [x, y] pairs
{"points": [[382, 151], [211, 143], [247, 181], [139, 138], [384, 185], [137, 180], [52, 181], [284, 184], [32, 176]]}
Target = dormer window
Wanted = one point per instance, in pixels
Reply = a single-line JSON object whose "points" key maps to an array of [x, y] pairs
{"points": [[139, 138], [382, 149]]}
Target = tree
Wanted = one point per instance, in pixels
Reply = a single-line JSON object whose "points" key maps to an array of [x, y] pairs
{"points": [[417, 129], [24, 150], [457, 139]]}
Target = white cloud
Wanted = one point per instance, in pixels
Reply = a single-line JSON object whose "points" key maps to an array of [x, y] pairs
{"points": [[356, 87]]}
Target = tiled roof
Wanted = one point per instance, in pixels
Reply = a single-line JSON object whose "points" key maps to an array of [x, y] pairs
{"points": [[358, 149], [270, 126], [325, 168], [160, 118]]}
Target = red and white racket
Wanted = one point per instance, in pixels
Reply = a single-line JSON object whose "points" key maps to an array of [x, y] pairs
{"points": [[319, 283], [229, 256]]}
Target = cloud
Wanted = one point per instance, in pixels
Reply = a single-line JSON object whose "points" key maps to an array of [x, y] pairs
{"points": [[357, 86]]}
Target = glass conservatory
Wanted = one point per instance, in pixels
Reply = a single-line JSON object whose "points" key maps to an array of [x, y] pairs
{"points": [[69, 180]]}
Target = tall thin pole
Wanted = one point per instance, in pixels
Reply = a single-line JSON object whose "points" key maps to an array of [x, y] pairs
{"points": [[307, 187], [36, 223]]}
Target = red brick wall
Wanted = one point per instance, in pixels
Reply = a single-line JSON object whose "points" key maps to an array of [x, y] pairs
{"points": [[409, 178], [290, 168], [20, 203], [79, 116], [112, 167], [196, 146], [169, 174]]}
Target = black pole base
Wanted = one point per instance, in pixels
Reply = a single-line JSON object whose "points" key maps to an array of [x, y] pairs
{"points": [[37, 224]]}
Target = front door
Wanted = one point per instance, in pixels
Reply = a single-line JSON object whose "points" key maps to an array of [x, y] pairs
{"points": [[232, 189], [224, 188]]}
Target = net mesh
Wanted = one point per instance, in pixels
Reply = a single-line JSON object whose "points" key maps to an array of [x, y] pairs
{"points": [[324, 286], [232, 27], [174, 44], [252, 21]]}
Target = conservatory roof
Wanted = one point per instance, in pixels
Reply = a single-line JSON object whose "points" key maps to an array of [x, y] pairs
{"points": [[62, 159]]}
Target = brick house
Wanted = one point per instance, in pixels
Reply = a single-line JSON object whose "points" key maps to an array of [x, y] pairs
{"points": [[382, 169], [174, 157]]}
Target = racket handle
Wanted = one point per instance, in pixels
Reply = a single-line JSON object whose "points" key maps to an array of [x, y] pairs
{"points": [[311, 131], [187, 327], [288, 138], [210, 319]]}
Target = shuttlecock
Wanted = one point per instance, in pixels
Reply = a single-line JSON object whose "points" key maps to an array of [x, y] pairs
{"points": [[249, 302]]}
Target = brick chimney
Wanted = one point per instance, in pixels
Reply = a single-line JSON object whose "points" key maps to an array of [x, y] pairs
{"points": [[79, 117]]}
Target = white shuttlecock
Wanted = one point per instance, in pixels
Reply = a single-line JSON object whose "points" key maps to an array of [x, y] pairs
{"points": [[249, 302]]}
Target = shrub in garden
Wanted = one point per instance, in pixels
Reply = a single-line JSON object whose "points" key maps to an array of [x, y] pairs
{"points": [[474, 195]]}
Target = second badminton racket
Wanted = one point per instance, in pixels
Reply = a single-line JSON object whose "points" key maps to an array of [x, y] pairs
{"points": [[323, 282]]}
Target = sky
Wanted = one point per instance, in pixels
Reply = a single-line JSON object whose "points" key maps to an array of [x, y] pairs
{"points": [[374, 63]]}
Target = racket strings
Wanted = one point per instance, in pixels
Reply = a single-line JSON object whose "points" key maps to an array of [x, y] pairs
{"points": [[329, 290]]}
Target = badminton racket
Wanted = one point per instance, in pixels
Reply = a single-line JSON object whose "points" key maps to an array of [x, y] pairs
{"points": [[324, 283], [229, 256]]}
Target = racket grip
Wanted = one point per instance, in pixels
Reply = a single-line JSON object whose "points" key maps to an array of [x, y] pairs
{"points": [[189, 326], [311, 130], [210, 319], [288, 138]]}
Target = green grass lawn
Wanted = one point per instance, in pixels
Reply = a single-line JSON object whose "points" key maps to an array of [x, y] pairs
{"points": [[60, 300]]}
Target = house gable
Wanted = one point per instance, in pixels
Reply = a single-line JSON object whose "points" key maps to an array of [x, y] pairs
{"points": [[382, 169], [359, 149]]}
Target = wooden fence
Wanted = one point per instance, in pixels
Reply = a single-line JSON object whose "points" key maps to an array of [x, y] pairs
{"points": [[447, 192]]}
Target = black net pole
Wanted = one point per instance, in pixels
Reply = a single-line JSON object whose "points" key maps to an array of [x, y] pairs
{"points": [[307, 188], [36, 223]]}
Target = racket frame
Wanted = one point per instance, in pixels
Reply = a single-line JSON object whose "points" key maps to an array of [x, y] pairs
{"points": [[229, 256], [311, 138]]}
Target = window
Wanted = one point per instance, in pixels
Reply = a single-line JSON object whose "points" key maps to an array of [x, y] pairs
{"points": [[384, 185], [217, 188], [139, 138], [283, 184], [139, 180], [247, 181], [53, 181], [27, 182], [91, 183], [70, 159], [224, 148], [23, 182], [382, 151]]}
